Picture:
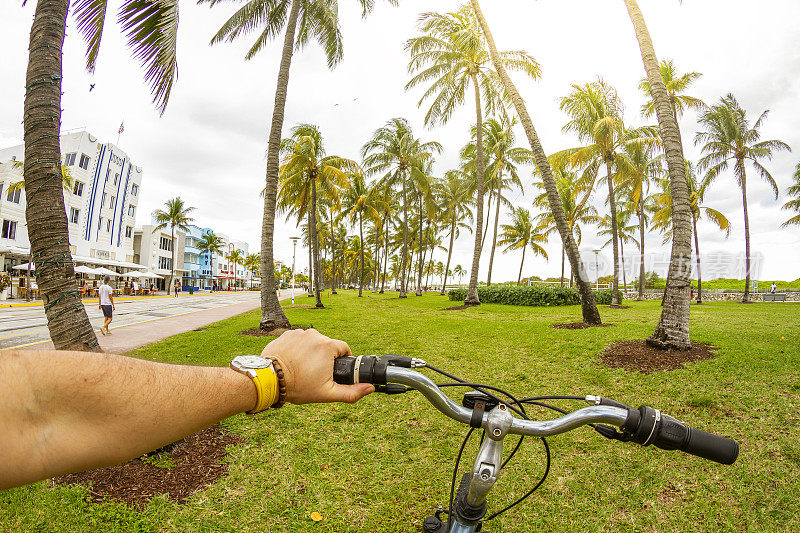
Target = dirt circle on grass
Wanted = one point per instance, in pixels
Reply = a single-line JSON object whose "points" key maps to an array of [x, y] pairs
{"points": [[640, 356], [459, 307], [275, 332], [579, 325], [619, 307], [195, 462]]}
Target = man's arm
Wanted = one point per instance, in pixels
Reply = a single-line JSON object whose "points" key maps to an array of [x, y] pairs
{"points": [[64, 412]]}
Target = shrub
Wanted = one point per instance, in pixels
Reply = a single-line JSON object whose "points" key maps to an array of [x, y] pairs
{"points": [[604, 297], [537, 296]]}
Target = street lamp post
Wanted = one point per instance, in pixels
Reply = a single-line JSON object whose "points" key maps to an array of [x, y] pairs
{"points": [[294, 254], [597, 269]]}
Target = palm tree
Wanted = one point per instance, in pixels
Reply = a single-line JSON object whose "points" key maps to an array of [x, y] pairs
{"points": [[520, 234], [66, 177], [672, 330], [175, 215], [151, 28], [675, 84], [595, 112], [574, 193], [459, 271], [306, 167], [453, 194], [305, 20], [235, 258], [729, 138], [356, 203], [662, 216], [794, 203], [393, 149], [588, 306], [625, 233], [252, 262], [211, 244], [450, 55]]}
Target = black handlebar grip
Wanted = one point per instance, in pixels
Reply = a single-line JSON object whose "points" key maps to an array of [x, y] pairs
{"points": [[712, 447], [344, 370]]}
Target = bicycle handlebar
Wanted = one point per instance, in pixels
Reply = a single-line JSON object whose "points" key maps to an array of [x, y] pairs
{"points": [[644, 426]]}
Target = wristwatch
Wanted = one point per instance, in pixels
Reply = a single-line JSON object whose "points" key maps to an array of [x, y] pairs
{"points": [[264, 376]]}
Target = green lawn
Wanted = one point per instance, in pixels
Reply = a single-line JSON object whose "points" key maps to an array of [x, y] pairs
{"points": [[384, 464]]}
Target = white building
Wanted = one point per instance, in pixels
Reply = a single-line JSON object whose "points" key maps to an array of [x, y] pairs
{"points": [[226, 272], [101, 205], [154, 249]]}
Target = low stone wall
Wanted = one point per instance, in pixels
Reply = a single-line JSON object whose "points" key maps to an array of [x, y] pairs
{"points": [[715, 296]]}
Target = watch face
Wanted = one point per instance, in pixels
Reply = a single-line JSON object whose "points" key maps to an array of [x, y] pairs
{"points": [[252, 361]]}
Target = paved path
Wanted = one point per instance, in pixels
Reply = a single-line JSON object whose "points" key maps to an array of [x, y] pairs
{"points": [[137, 321]]}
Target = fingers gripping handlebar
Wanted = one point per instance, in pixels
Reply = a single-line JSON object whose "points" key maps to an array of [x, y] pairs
{"points": [[392, 374]]}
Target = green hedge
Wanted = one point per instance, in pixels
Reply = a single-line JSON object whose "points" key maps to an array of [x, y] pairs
{"points": [[530, 295]]}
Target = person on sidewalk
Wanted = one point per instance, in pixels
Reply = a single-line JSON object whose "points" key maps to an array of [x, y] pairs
{"points": [[65, 412], [135, 288], [177, 287], [106, 303]]}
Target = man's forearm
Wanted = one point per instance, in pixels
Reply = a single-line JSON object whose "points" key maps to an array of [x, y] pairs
{"points": [[68, 411]]}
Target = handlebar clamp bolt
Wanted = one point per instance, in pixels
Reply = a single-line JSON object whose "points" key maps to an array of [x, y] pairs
{"points": [[497, 432]]}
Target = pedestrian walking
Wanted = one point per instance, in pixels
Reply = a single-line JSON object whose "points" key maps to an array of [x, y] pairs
{"points": [[106, 304]]}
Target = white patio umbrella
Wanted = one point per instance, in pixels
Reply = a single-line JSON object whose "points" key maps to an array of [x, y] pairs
{"points": [[25, 266], [153, 275], [83, 269], [103, 270]]}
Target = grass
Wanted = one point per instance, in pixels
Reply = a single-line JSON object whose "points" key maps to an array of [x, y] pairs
{"points": [[384, 464]]}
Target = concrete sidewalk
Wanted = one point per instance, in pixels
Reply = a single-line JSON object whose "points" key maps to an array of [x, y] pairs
{"points": [[127, 337]]}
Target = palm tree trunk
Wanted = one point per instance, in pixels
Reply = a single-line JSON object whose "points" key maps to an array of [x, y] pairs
{"points": [[486, 224], [377, 266], [449, 253], [519, 276], [672, 330], [315, 244], [421, 249], [588, 306], [361, 238], [641, 250], [172, 271], [405, 240], [311, 267], [561, 279], [472, 290], [697, 254], [614, 234], [385, 254], [333, 265], [272, 315], [494, 239], [48, 231], [622, 265], [746, 298]]}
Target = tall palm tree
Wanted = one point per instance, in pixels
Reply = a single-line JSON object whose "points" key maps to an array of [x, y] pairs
{"points": [[395, 150], [174, 215], [304, 20], [595, 112], [625, 233], [588, 306], [252, 262], [676, 84], [662, 216], [306, 166], [793, 204], [459, 271], [451, 55], [211, 244], [520, 234], [728, 139], [356, 204], [453, 194], [151, 29], [235, 258], [672, 330]]}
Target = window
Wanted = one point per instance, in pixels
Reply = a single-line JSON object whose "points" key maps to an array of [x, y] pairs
{"points": [[74, 215], [108, 225], [165, 263], [100, 224], [84, 164], [134, 189], [1, 189], [13, 195], [9, 229], [131, 210], [116, 178], [165, 244], [77, 190], [69, 159], [128, 231], [103, 201], [111, 202]]}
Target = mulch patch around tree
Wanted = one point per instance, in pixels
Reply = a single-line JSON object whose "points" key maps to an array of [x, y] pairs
{"points": [[638, 355], [276, 332], [579, 325], [194, 463], [458, 307], [619, 307]]}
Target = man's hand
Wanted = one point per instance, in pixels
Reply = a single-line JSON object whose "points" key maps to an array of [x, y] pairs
{"points": [[307, 361]]}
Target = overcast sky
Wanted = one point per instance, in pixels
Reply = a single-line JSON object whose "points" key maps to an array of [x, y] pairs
{"points": [[209, 147]]}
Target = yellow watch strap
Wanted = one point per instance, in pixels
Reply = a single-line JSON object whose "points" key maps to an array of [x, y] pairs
{"points": [[266, 388]]}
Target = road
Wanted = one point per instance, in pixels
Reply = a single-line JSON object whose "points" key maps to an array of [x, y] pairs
{"points": [[26, 326]]}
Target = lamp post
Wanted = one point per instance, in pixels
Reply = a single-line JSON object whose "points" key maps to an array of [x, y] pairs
{"points": [[294, 254], [597, 269]]}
